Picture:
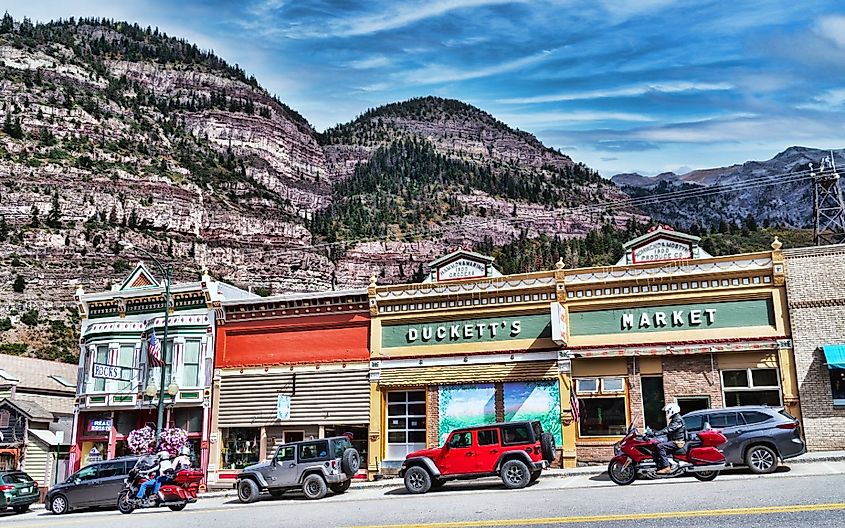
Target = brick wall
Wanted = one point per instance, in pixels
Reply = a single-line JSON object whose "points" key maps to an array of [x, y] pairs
{"points": [[591, 454], [815, 286], [432, 416], [692, 375], [635, 394]]}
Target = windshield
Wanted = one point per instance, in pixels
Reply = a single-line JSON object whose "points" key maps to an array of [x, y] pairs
{"points": [[17, 478]]}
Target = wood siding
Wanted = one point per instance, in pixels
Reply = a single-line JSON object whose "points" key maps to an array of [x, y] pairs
{"points": [[36, 460], [322, 397]]}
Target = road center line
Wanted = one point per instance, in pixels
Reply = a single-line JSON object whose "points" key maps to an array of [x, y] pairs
{"points": [[620, 517]]}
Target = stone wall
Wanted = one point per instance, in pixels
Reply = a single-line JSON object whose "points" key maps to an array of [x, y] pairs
{"points": [[815, 286]]}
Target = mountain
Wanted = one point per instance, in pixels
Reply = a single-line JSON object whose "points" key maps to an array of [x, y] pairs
{"points": [[776, 191], [112, 131]]}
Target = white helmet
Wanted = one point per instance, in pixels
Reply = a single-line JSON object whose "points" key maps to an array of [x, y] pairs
{"points": [[672, 409], [163, 455], [185, 450]]}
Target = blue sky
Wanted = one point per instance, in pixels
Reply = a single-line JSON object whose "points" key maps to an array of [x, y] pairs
{"points": [[622, 85]]}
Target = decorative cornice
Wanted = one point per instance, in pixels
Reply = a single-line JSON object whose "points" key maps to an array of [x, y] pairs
{"points": [[817, 303]]}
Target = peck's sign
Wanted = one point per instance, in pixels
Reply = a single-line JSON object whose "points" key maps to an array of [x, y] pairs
{"points": [[467, 331]]}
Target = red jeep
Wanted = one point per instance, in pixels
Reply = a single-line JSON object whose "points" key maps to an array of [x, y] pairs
{"points": [[516, 451]]}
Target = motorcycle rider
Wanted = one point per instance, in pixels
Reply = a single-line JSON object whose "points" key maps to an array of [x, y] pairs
{"points": [[676, 433], [183, 461], [161, 470]]}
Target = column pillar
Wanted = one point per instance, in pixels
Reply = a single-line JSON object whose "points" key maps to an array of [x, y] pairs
{"points": [[568, 423], [788, 378], [374, 440]]}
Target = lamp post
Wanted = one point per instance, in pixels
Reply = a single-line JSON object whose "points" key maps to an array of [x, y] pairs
{"points": [[166, 271]]}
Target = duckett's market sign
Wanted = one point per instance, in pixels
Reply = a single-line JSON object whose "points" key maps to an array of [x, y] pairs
{"points": [[675, 317], [484, 330]]}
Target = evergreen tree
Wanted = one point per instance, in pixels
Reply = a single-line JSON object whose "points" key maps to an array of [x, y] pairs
{"points": [[19, 285], [4, 229], [34, 212], [54, 217]]}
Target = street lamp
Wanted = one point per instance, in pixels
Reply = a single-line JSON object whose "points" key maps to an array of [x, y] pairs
{"points": [[166, 271]]}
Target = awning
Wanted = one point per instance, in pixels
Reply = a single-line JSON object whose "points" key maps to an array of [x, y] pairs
{"points": [[489, 373], [835, 356], [48, 437]]}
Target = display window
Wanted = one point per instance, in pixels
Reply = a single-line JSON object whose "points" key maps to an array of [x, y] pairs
{"points": [[240, 447], [603, 404], [752, 386], [837, 386]]}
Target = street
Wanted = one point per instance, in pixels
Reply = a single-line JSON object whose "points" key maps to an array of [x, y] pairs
{"points": [[802, 495]]}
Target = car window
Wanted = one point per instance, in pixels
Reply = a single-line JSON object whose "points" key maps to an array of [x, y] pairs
{"points": [[754, 417], [285, 453], [694, 422], [460, 440], [488, 437], [538, 430], [111, 469], [313, 451], [724, 419], [16, 478], [341, 445], [515, 434], [86, 473], [783, 412]]}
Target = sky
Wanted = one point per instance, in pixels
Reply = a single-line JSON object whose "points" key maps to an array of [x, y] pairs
{"points": [[622, 85]]}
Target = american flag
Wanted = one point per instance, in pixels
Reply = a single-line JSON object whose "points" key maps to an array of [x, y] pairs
{"points": [[154, 352], [573, 404]]}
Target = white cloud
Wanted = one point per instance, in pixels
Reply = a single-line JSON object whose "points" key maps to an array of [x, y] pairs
{"points": [[561, 118], [629, 91], [833, 28], [376, 61], [436, 73]]}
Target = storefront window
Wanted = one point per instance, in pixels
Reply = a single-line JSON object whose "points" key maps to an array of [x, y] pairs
{"points": [[751, 387], [405, 423], [189, 419], [603, 412], [240, 447], [837, 385]]}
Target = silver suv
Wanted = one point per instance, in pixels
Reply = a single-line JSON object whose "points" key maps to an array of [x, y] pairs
{"points": [[314, 466]]}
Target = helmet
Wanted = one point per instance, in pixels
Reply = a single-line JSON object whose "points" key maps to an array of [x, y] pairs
{"points": [[185, 450], [672, 409], [164, 454]]}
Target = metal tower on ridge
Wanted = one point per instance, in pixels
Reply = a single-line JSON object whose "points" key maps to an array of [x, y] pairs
{"points": [[828, 204]]}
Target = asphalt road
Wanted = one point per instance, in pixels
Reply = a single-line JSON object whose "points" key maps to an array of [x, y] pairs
{"points": [[805, 495]]}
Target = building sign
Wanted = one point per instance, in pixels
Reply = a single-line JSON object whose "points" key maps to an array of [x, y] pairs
{"points": [[662, 249], [560, 323], [99, 425], [104, 371], [468, 331], [462, 268], [283, 407], [676, 317]]}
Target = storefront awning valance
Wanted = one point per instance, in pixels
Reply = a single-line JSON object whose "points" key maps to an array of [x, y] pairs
{"points": [[449, 375], [834, 355]]}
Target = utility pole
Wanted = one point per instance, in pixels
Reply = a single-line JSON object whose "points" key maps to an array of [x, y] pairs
{"points": [[828, 204]]}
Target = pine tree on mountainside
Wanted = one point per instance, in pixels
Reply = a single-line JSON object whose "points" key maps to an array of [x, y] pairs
{"points": [[54, 216]]}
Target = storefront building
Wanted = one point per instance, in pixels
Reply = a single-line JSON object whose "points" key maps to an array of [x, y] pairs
{"points": [[816, 289], [114, 375], [466, 347], [288, 368], [670, 323]]}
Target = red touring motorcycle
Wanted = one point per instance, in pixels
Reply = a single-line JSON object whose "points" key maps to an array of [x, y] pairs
{"points": [[635, 458], [176, 494]]}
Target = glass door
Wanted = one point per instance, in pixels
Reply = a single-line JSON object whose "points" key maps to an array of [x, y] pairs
{"points": [[405, 423]]}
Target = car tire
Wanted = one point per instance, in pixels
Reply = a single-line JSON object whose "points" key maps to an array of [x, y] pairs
{"points": [[21, 509], [248, 491], [761, 459], [314, 487], [534, 476], [59, 505], [340, 487], [350, 463], [276, 493], [417, 480], [515, 474], [547, 444]]}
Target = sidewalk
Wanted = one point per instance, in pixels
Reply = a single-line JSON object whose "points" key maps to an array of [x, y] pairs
{"points": [[807, 458]]}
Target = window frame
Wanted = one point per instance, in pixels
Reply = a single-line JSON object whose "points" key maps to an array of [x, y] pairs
{"points": [[837, 402], [407, 416], [495, 437], [195, 383], [603, 394], [751, 386]]}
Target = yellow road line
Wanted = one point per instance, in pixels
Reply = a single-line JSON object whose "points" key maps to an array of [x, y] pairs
{"points": [[620, 517]]}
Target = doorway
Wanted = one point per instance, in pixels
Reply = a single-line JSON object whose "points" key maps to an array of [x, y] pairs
{"points": [[653, 401]]}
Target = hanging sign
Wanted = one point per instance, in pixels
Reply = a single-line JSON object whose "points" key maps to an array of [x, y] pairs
{"points": [[105, 371], [462, 268], [283, 407], [560, 323]]}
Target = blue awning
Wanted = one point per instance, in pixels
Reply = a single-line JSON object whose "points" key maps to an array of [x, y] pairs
{"points": [[835, 356]]}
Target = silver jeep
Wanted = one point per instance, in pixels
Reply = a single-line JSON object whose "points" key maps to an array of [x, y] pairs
{"points": [[314, 466]]}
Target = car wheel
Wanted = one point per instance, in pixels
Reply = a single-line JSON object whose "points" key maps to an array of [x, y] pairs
{"points": [[21, 509], [340, 487], [620, 473], [761, 459], [276, 493], [547, 443], [314, 487], [59, 505], [705, 476], [515, 474], [417, 480], [248, 491], [534, 476], [350, 463]]}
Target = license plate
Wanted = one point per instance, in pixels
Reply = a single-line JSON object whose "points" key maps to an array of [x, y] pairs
{"points": [[25, 490]]}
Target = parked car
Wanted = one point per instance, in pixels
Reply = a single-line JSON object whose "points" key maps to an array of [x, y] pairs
{"points": [[515, 451], [17, 491], [96, 484], [314, 466], [757, 435]]}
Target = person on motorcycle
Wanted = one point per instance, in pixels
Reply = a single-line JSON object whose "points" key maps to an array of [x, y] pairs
{"points": [[162, 470], [183, 461], [676, 433]]}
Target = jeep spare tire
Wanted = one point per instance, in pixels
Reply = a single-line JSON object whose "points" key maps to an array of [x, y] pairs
{"points": [[351, 462], [547, 444]]}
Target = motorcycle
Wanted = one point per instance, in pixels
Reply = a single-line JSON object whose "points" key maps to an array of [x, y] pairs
{"points": [[634, 457], [175, 494]]}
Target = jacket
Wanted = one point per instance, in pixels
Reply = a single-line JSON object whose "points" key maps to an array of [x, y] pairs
{"points": [[675, 430]]}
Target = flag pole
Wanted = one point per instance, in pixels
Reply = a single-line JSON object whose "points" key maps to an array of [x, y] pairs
{"points": [[161, 389]]}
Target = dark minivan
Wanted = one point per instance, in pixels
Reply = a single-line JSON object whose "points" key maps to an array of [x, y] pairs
{"points": [[97, 484], [757, 435]]}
